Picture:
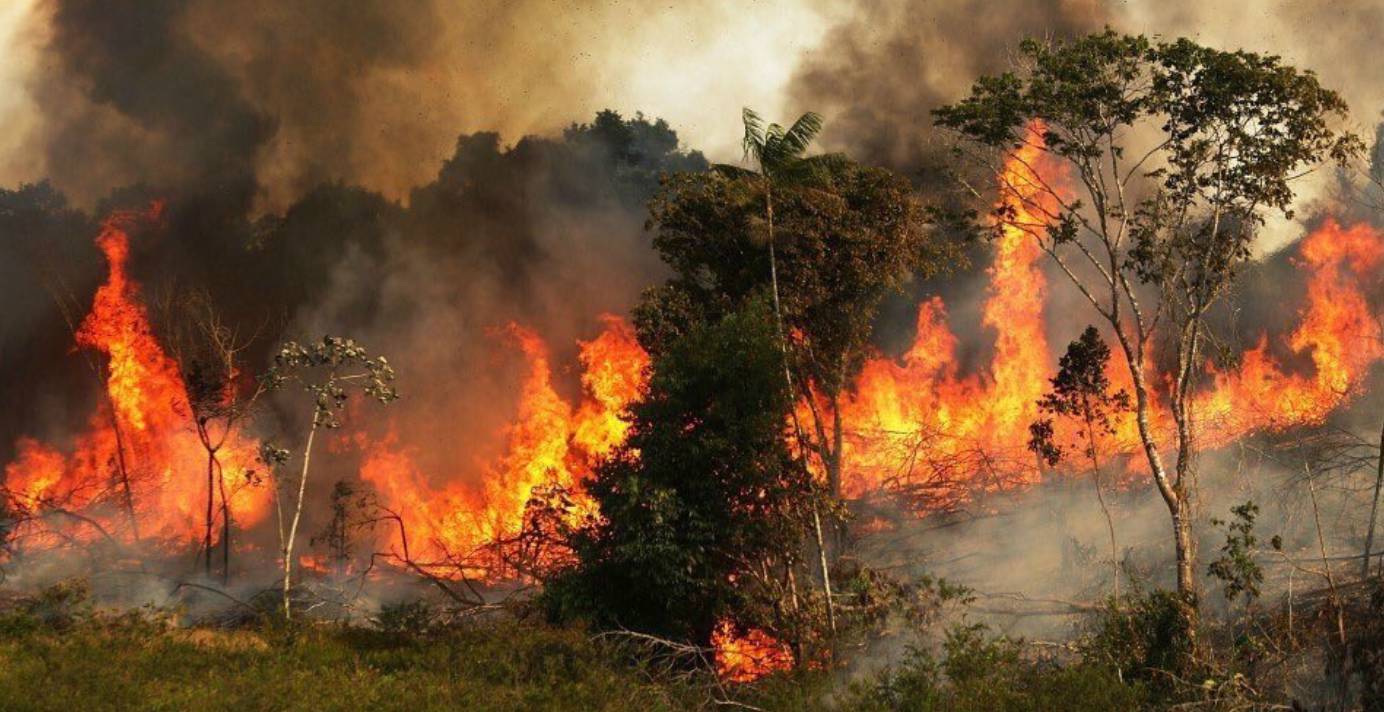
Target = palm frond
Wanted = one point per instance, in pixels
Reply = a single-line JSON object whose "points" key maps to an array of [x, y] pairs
{"points": [[754, 140], [796, 139], [814, 170]]}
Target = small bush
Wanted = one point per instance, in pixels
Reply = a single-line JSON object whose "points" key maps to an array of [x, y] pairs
{"points": [[57, 607], [406, 618], [1144, 636], [977, 671]]}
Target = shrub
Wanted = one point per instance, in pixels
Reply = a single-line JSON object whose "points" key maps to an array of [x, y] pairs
{"points": [[978, 671]]}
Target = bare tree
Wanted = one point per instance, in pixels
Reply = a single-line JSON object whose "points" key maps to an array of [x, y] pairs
{"points": [[327, 371], [208, 353]]}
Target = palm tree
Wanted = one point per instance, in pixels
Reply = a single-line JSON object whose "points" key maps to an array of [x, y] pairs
{"points": [[778, 154]]}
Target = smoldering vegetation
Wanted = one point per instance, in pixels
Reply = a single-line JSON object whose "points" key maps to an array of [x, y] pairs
{"points": [[313, 185]]}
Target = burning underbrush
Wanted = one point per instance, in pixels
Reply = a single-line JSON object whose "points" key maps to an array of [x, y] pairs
{"points": [[917, 433], [179, 459]]}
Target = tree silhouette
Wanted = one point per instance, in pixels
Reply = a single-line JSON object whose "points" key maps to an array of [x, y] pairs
{"points": [[1081, 392]]}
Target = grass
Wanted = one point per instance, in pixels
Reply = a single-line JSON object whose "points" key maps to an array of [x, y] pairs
{"points": [[129, 662], [57, 654]]}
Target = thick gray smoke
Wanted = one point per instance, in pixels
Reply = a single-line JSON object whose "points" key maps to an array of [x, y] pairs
{"points": [[878, 75]]}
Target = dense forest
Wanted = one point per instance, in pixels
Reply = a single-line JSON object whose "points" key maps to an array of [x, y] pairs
{"points": [[1034, 418]]}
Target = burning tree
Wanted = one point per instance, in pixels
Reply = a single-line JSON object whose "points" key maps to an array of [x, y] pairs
{"points": [[327, 371], [1177, 151], [207, 352]]}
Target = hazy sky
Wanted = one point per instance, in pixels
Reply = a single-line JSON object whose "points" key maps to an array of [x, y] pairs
{"points": [[392, 91]]}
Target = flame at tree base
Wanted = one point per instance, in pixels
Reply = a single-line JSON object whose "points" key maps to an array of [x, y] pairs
{"points": [[749, 656], [133, 474]]}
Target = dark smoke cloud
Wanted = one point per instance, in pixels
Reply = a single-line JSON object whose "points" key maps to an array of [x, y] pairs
{"points": [[878, 74], [267, 99], [128, 97]]}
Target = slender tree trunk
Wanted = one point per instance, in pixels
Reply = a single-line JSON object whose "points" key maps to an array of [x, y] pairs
{"points": [[297, 515], [1374, 508], [211, 504], [788, 378], [225, 524], [826, 572], [1174, 496], [834, 465], [1186, 552], [773, 285], [1105, 509]]}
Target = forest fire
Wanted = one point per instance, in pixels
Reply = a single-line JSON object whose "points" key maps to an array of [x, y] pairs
{"points": [[913, 418], [549, 446], [905, 416], [937, 363], [748, 657], [125, 477], [919, 421], [916, 417]]}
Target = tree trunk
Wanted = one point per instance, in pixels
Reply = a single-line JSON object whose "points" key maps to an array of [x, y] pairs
{"points": [[1100, 496], [297, 515], [1174, 497], [225, 525], [1374, 508], [834, 464], [826, 571], [788, 378], [211, 503], [1186, 552]]}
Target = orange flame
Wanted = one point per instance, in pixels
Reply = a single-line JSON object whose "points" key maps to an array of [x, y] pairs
{"points": [[748, 657], [908, 420], [142, 433], [1338, 330], [549, 444]]}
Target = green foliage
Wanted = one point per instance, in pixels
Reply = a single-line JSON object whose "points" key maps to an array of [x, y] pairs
{"points": [[57, 608], [1146, 637], [131, 663], [1080, 390], [776, 151], [327, 370], [976, 671], [1236, 567], [703, 491], [406, 618], [844, 240], [1235, 129]]}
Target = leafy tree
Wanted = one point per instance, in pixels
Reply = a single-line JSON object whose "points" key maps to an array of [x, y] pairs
{"points": [[844, 237], [703, 493], [1175, 152], [327, 371], [778, 154], [1081, 391]]}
